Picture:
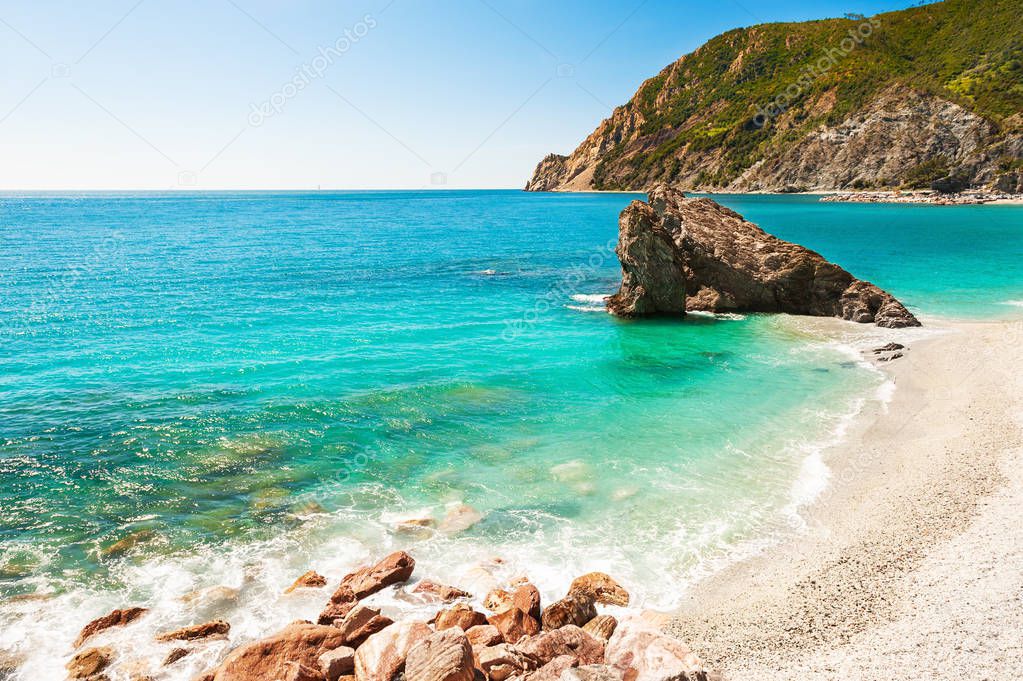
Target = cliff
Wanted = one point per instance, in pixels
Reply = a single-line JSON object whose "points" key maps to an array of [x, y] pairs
{"points": [[900, 100], [682, 254]]}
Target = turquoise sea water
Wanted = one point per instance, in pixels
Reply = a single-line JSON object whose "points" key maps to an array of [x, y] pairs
{"points": [[241, 386]]}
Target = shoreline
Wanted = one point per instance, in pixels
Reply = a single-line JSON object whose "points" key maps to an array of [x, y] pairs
{"points": [[873, 585]]}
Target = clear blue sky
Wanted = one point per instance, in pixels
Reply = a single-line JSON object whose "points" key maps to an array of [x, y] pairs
{"points": [[123, 94]]}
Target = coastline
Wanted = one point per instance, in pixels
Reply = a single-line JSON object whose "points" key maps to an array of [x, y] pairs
{"points": [[897, 571]]}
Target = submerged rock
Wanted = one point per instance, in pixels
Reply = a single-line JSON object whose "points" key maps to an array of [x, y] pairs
{"points": [[89, 662], [117, 618], [680, 254], [217, 628]]}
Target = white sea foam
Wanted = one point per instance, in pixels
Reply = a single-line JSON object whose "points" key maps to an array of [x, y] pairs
{"points": [[590, 297], [1014, 303], [587, 308]]}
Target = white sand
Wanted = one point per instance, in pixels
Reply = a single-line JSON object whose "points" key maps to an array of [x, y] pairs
{"points": [[913, 564]]}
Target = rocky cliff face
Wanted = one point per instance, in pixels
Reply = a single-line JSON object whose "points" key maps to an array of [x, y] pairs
{"points": [[682, 254], [900, 100]]}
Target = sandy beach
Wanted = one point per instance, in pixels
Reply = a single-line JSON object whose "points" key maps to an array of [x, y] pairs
{"points": [[908, 566]]}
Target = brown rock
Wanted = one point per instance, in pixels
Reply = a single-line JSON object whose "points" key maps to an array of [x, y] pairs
{"points": [[337, 663], [383, 654], [575, 608], [593, 672], [117, 618], [725, 263], [361, 623], [514, 624], [601, 627], [484, 635], [461, 615], [498, 600], [310, 580], [637, 649], [393, 569], [218, 628], [553, 670], [175, 655], [602, 587], [526, 598], [335, 612], [502, 661], [443, 656], [296, 671], [567, 640], [267, 658], [442, 592], [89, 662]]}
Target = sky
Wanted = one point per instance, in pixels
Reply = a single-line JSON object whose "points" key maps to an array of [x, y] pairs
{"points": [[349, 94]]}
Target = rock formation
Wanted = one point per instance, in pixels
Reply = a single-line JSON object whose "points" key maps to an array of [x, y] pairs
{"points": [[457, 645], [682, 254]]}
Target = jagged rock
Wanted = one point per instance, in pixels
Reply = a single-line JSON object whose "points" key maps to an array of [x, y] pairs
{"points": [[361, 623], [890, 347], [484, 635], [335, 612], [725, 263], [503, 661], [175, 655], [217, 628], [383, 654], [638, 650], [117, 618], [461, 615], [443, 593], [498, 600], [602, 587], [336, 663], [310, 580], [601, 627], [268, 658], [575, 608], [526, 598], [568, 640], [296, 671], [395, 568], [553, 670], [514, 624], [442, 656], [89, 662], [593, 672]]}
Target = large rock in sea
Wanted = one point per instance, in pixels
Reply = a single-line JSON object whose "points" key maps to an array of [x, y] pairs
{"points": [[270, 658], [686, 254]]}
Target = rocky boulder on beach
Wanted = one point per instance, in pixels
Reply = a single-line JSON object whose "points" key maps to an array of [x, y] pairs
{"points": [[683, 254]]}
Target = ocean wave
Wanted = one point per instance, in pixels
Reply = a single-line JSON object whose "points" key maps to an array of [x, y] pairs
{"points": [[587, 308], [1014, 303], [590, 297]]}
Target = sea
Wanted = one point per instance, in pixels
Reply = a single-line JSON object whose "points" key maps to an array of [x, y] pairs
{"points": [[205, 394]]}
